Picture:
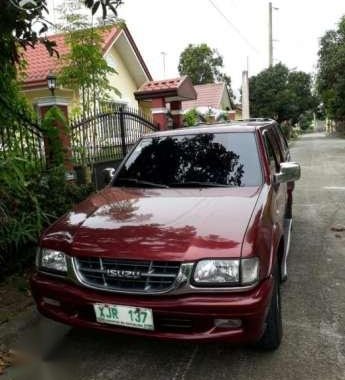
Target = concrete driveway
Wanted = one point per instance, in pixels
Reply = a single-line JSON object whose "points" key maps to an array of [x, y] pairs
{"points": [[313, 303]]}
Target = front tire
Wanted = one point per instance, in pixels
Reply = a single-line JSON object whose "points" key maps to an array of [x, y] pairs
{"points": [[274, 327]]}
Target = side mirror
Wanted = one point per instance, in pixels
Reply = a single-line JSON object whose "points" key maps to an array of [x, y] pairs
{"points": [[108, 174], [289, 172]]}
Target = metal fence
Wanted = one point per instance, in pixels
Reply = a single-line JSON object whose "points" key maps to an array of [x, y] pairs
{"points": [[107, 134], [104, 136], [24, 140]]}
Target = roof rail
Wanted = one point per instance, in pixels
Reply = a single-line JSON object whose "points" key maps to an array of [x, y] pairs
{"points": [[258, 119], [217, 122]]}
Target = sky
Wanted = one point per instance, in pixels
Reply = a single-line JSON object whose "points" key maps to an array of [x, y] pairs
{"points": [[170, 25]]}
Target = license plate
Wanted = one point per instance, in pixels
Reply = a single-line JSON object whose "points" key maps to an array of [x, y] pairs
{"points": [[127, 316]]}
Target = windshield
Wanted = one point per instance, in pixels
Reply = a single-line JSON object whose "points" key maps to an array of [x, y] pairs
{"points": [[199, 160]]}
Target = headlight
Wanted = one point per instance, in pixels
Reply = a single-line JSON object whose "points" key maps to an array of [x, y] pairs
{"points": [[226, 272], [52, 260], [217, 272]]}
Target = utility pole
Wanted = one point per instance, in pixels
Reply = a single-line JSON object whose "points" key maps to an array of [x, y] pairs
{"points": [[245, 96], [270, 35], [164, 54]]}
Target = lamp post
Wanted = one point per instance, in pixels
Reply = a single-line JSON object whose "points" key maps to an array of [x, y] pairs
{"points": [[51, 79]]}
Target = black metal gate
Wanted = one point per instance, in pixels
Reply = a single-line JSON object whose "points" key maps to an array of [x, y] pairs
{"points": [[24, 140], [107, 135]]}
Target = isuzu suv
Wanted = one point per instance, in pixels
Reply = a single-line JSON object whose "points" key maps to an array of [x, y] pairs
{"points": [[189, 241]]}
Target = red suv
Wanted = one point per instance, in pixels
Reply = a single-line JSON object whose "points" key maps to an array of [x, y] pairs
{"points": [[189, 241]]}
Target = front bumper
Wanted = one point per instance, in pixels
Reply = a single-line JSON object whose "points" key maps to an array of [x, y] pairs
{"points": [[188, 317]]}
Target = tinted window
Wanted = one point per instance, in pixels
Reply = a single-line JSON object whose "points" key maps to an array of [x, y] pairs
{"points": [[274, 142], [228, 159], [271, 156], [283, 142]]}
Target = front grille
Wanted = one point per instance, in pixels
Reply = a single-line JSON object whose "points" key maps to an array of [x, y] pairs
{"points": [[127, 275]]}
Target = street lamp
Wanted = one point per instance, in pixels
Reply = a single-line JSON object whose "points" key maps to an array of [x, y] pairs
{"points": [[51, 79]]}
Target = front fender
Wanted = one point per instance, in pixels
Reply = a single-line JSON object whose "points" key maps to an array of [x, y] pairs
{"points": [[263, 234]]}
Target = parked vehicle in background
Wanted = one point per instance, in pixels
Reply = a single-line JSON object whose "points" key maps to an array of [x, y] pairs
{"points": [[188, 242]]}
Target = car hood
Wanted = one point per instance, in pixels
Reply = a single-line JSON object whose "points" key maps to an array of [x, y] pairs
{"points": [[156, 224]]}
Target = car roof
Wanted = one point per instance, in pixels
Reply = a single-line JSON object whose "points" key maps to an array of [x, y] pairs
{"points": [[236, 126]]}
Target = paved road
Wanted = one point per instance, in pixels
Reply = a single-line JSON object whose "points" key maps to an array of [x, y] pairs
{"points": [[313, 302]]}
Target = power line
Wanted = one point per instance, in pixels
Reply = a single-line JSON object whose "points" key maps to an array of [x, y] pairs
{"points": [[229, 22]]}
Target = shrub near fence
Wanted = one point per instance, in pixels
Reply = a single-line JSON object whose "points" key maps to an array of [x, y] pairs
{"points": [[24, 140], [31, 196]]}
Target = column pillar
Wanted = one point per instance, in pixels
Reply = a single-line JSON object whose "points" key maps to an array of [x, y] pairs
{"points": [[44, 105], [159, 113], [177, 115], [232, 115]]}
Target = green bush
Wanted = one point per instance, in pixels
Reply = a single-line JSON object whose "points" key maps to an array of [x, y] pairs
{"points": [[305, 121], [62, 194], [223, 116], [30, 201], [191, 117], [295, 133]]}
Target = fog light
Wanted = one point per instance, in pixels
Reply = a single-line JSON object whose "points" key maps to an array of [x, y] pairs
{"points": [[50, 301], [228, 323]]}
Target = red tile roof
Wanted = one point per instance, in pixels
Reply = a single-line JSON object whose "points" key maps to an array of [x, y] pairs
{"points": [[162, 84], [209, 95], [40, 63], [178, 88]]}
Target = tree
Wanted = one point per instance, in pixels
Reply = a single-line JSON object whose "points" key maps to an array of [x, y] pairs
{"points": [[84, 68], [203, 65], [281, 94], [18, 24], [23, 26], [331, 67], [303, 103]]}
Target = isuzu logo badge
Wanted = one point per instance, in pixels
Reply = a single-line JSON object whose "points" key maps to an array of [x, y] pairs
{"points": [[119, 273]]}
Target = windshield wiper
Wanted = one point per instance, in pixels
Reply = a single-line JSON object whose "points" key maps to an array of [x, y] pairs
{"points": [[140, 182], [196, 184]]}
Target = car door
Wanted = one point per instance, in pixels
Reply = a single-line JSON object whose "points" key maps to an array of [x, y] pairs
{"points": [[279, 191]]}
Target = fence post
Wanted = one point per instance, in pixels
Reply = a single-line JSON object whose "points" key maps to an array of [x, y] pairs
{"points": [[177, 114], [159, 113], [123, 133]]}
